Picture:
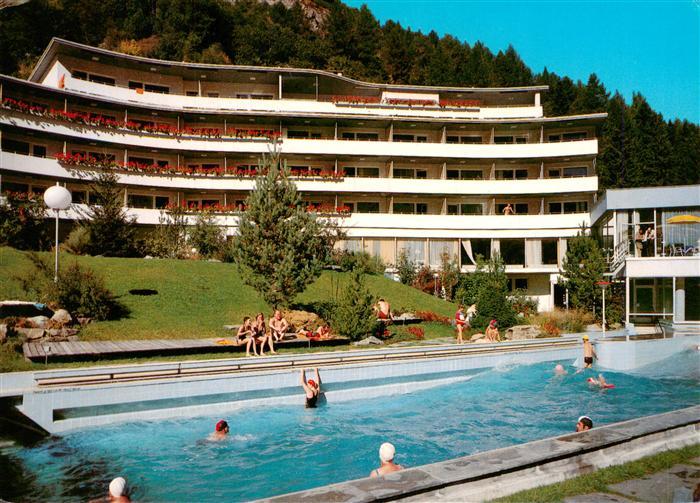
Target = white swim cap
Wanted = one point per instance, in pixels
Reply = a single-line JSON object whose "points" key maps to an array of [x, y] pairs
{"points": [[117, 486], [386, 452]]}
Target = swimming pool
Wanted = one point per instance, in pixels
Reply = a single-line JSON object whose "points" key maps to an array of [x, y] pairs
{"points": [[288, 448]]}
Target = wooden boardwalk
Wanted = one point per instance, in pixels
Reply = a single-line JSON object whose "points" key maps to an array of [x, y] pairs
{"points": [[84, 350]]}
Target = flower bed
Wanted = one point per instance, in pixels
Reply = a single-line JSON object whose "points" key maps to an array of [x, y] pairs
{"points": [[322, 208], [356, 100], [92, 162], [460, 103], [410, 102], [96, 120]]}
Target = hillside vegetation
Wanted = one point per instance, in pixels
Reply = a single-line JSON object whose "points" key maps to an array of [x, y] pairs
{"points": [[637, 146]]}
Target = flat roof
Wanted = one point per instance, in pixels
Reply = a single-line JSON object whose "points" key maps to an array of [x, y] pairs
{"points": [[58, 45], [678, 196]]}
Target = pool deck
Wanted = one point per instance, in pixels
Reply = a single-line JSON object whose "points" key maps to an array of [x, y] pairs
{"points": [[497, 473]]}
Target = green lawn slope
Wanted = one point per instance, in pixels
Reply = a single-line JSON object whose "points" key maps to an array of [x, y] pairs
{"points": [[195, 299]]}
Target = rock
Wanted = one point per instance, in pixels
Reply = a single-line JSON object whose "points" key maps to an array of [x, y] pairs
{"points": [[38, 321], [481, 341], [148, 257], [3, 333], [83, 321], [30, 334], [299, 319], [61, 332], [368, 341], [73, 338], [22, 309], [477, 336], [521, 332], [62, 317]]}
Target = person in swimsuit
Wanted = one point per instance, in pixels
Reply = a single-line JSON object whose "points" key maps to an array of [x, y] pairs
{"points": [[311, 388], [386, 456], [278, 326], [245, 334], [492, 334], [584, 423], [588, 353], [260, 335], [600, 382], [383, 310], [220, 431], [460, 323]]}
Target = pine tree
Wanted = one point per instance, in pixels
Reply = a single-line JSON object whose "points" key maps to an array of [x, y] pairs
{"points": [[353, 315], [612, 162], [591, 98], [280, 248], [582, 268], [650, 148]]}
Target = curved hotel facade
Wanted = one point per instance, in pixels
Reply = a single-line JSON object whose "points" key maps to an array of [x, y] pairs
{"points": [[424, 169]]}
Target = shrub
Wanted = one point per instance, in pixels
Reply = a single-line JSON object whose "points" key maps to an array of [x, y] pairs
{"points": [[558, 321], [522, 304], [407, 334], [406, 268], [417, 332], [353, 315], [488, 286], [362, 261], [207, 237], [448, 275], [77, 241], [22, 222], [424, 280], [431, 316], [169, 238], [78, 290]]}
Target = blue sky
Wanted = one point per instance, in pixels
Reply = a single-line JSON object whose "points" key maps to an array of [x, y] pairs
{"points": [[652, 47]]}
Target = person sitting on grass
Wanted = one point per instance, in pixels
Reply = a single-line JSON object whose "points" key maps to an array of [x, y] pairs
{"points": [[278, 326], [491, 333], [386, 455], [260, 335], [311, 389]]}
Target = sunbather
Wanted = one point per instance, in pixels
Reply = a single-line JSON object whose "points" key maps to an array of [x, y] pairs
{"points": [[246, 334], [261, 336], [278, 326]]}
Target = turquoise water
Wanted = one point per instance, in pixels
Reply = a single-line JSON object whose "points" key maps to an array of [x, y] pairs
{"points": [[288, 448]]}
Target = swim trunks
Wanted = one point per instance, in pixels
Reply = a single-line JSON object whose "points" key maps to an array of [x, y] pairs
{"points": [[588, 360]]}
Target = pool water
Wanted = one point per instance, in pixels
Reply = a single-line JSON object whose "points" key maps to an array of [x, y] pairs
{"points": [[272, 451]]}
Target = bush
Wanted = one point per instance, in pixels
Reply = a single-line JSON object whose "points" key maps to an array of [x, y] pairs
{"points": [[488, 288], [22, 222], [431, 316], [406, 268], [169, 238], [448, 275], [522, 304], [353, 315], [407, 334], [77, 241], [207, 237], [424, 280], [558, 321], [79, 290], [362, 261]]}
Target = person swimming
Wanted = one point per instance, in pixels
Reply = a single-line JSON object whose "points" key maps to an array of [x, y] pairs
{"points": [[559, 370], [311, 388], [601, 382], [220, 431]]}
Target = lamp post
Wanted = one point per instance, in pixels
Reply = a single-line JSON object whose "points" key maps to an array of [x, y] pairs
{"points": [[57, 198], [603, 285]]}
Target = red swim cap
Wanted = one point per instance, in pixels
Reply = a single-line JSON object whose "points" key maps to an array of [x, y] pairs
{"points": [[312, 383], [590, 379], [221, 425]]}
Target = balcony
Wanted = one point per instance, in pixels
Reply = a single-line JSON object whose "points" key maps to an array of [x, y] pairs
{"points": [[51, 167]]}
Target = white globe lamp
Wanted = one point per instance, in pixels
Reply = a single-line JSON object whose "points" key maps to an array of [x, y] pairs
{"points": [[57, 198]]}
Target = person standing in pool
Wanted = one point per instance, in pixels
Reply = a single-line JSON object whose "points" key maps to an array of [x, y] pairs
{"points": [[588, 353], [311, 388], [584, 423], [386, 456]]}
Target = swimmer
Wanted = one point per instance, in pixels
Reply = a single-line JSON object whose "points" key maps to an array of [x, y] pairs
{"points": [[117, 491], [220, 431], [588, 353], [600, 382], [584, 423], [311, 388], [559, 370], [386, 456]]}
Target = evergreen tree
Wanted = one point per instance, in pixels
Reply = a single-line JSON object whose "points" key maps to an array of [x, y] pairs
{"points": [[353, 315], [206, 236], [650, 148], [489, 290], [582, 268], [591, 98], [280, 247], [562, 96], [613, 159], [110, 231]]}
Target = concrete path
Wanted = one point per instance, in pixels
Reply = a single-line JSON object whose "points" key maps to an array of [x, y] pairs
{"points": [[674, 485]]}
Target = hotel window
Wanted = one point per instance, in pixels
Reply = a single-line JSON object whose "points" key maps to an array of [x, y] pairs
{"points": [[349, 206], [151, 88], [549, 251], [39, 150], [511, 174], [15, 187], [574, 172], [367, 207], [208, 203], [469, 139], [513, 251], [578, 135], [517, 284], [191, 93], [465, 209], [79, 196], [481, 247], [348, 135], [411, 208], [101, 79], [518, 208], [410, 173], [410, 138], [297, 134], [162, 202], [144, 160], [464, 174], [569, 207], [212, 95], [361, 172], [15, 146], [255, 96], [505, 139], [139, 201]]}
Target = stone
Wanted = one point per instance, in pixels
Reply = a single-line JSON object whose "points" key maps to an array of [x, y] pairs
{"points": [[38, 321], [3, 333], [521, 332], [299, 319], [368, 341], [481, 341], [477, 336], [30, 334], [62, 316], [61, 332], [84, 320]]}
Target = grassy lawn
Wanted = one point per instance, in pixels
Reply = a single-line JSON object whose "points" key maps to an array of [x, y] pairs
{"points": [[601, 479], [195, 299]]}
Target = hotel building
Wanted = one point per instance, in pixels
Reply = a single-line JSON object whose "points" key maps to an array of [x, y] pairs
{"points": [[423, 169]]}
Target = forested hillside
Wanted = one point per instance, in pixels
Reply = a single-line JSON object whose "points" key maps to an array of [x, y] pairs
{"points": [[638, 147]]}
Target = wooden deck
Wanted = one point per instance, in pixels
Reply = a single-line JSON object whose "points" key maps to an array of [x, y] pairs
{"points": [[88, 350]]}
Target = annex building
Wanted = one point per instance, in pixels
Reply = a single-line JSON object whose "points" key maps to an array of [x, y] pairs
{"points": [[467, 171]]}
